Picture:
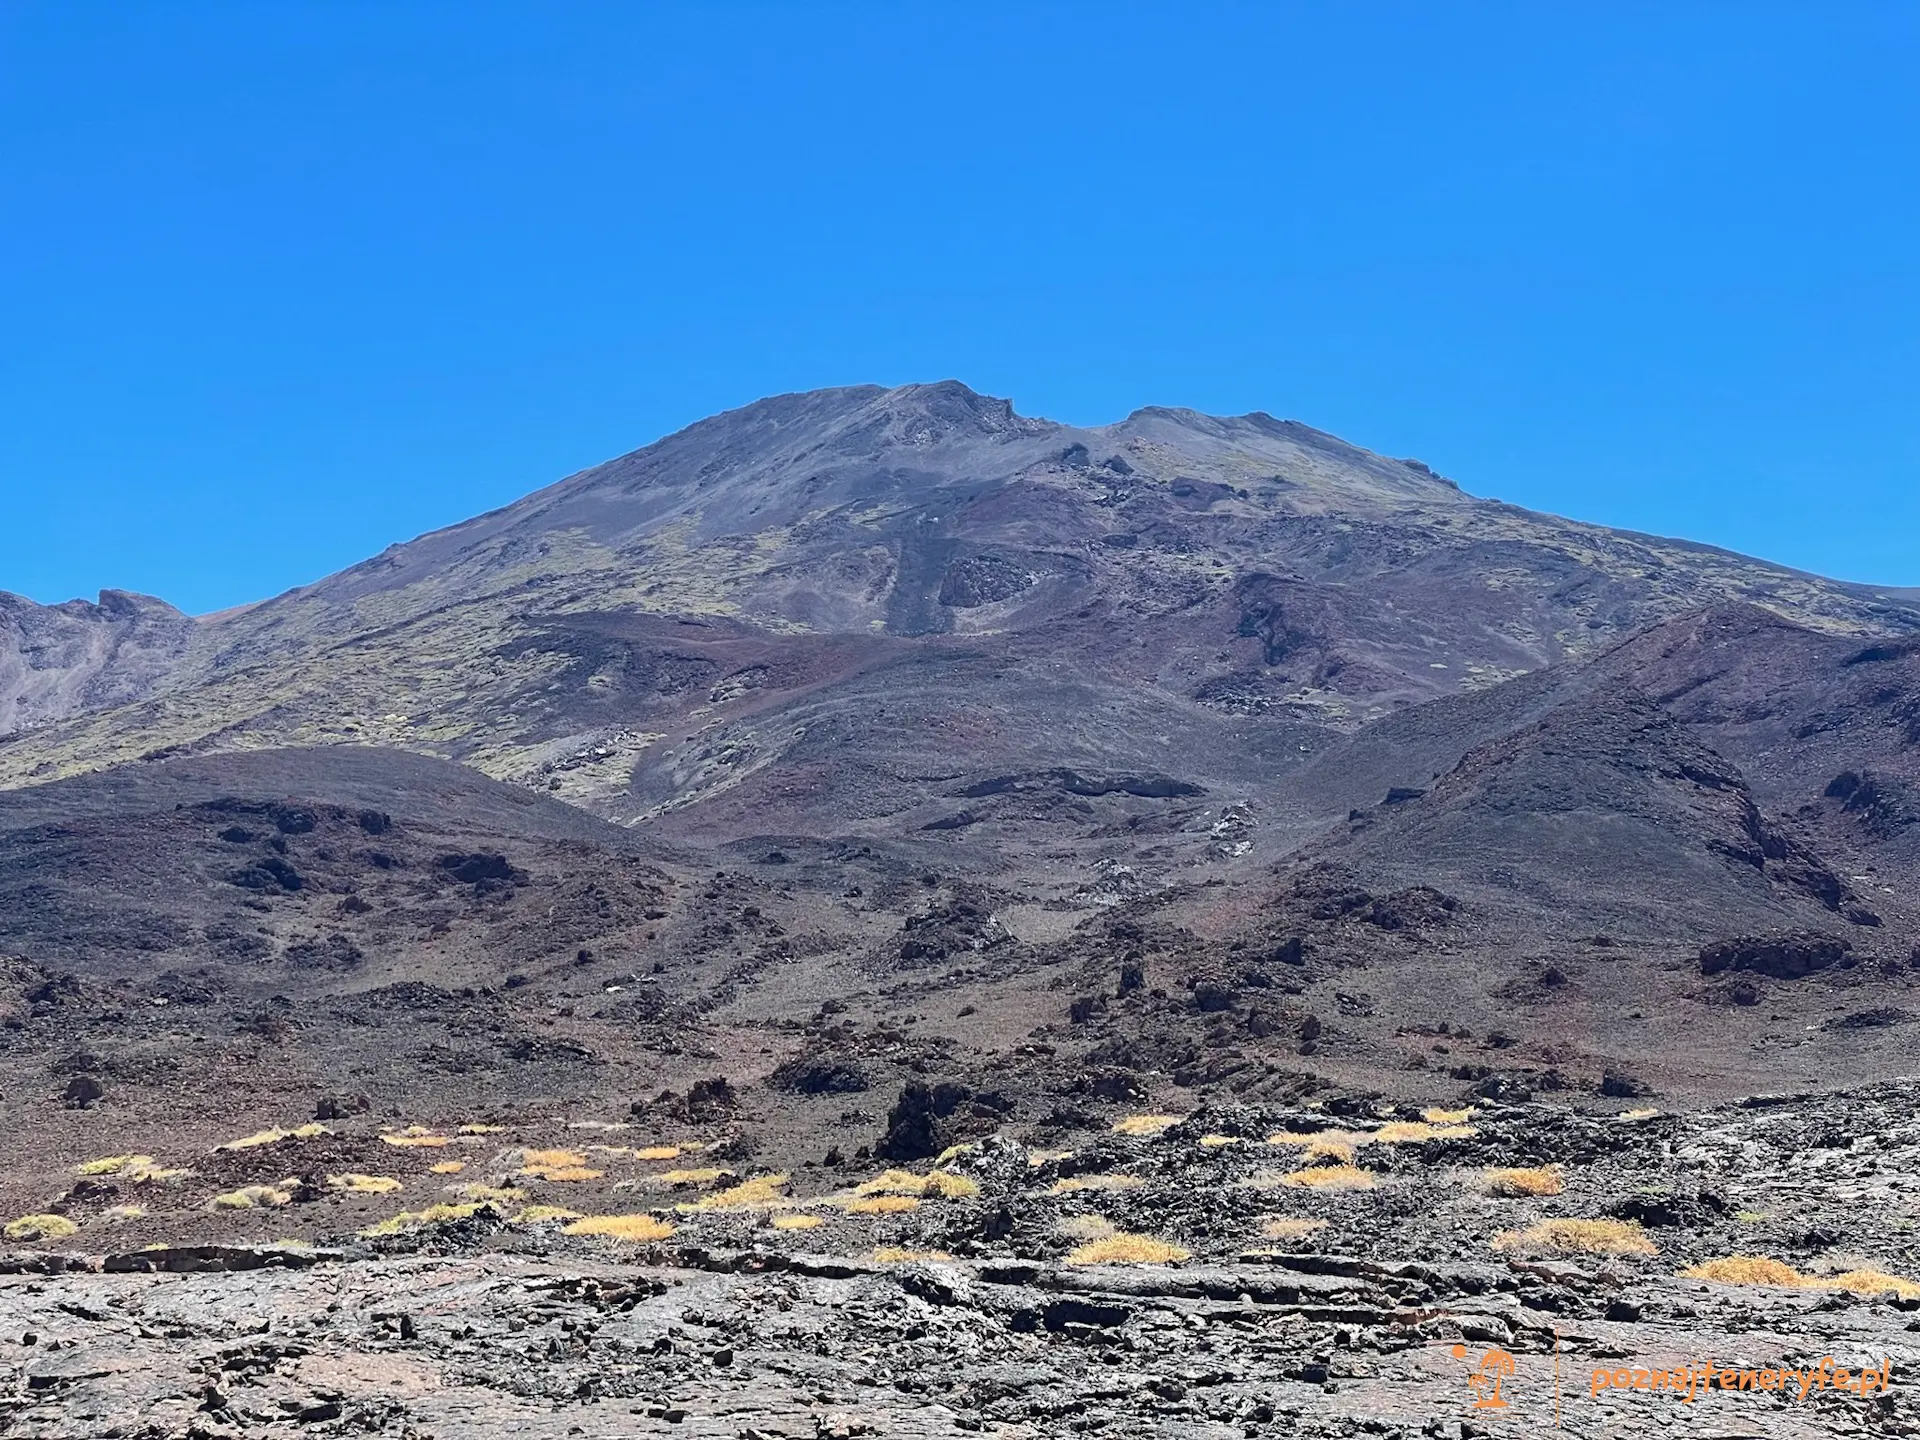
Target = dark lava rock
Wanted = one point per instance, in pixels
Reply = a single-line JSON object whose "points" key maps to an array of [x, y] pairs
{"points": [[819, 1075], [1789, 955]]}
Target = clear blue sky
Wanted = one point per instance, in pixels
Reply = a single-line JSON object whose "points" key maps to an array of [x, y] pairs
{"points": [[282, 283]]}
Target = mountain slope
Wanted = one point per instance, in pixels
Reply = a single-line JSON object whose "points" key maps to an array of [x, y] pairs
{"points": [[602, 636]]}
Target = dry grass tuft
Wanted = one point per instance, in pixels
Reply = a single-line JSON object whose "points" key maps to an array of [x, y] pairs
{"points": [[1218, 1142], [797, 1222], [1630, 1116], [1512, 1184], [274, 1135], [890, 1255], [115, 1213], [566, 1174], [640, 1229], [1869, 1282], [1759, 1270], [115, 1165], [657, 1152], [537, 1214], [696, 1177], [1329, 1177], [1076, 1184], [1146, 1124], [760, 1193], [1037, 1158], [884, 1205], [413, 1219], [1580, 1237], [481, 1194], [416, 1137], [1413, 1132], [1434, 1115], [41, 1227], [474, 1128], [1086, 1227], [357, 1184], [939, 1185], [1285, 1227], [446, 1167], [1328, 1152], [1124, 1249], [1744, 1270], [251, 1197]]}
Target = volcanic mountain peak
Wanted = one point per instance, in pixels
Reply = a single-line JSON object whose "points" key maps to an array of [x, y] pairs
{"points": [[1218, 568]]}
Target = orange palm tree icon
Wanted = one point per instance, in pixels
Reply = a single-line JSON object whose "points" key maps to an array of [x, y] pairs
{"points": [[1484, 1382]]}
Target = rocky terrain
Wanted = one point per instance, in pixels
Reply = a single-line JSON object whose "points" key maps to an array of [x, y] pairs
{"points": [[854, 855]]}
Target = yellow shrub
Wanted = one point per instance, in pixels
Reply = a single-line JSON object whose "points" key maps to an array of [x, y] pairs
{"points": [[760, 1193], [1329, 1177], [41, 1227], [1511, 1184], [1759, 1270], [1412, 1132], [1281, 1227], [115, 1165], [797, 1222], [884, 1205], [413, 1219], [1744, 1270], [638, 1228], [1146, 1124], [696, 1177], [1318, 1137], [1333, 1152], [414, 1138], [941, 1184], [1580, 1237], [481, 1194], [364, 1184], [1869, 1282], [548, 1159], [248, 1197], [658, 1152], [535, 1214], [447, 1167], [889, 1255], [1434, 1115], [564, 1174], [1074, 1184], [1124, 1249], [274, 1135]]}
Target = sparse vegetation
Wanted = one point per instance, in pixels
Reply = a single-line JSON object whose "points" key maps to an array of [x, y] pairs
{"points": [[797, 1222], [939, 1184], [41, 1227], [696, 1177], [1086, 1227], [417, 1137], [890, 1255], [250, 1197], [639, 1229], [884, 1205], [1760, 1270], [1513, 1184], [1219, 1142], [658, 1152], [446, 1167], [414, 1219], [1435, 1115], [1124, 1249], [273, 1135], [1146, 1124], [540, 1214], [1414, 1132], [1580, 1237], [357, 1184], [761, 1192]]}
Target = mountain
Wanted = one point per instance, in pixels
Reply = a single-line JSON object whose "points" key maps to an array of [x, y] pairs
{"points": [[873, 739]]}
